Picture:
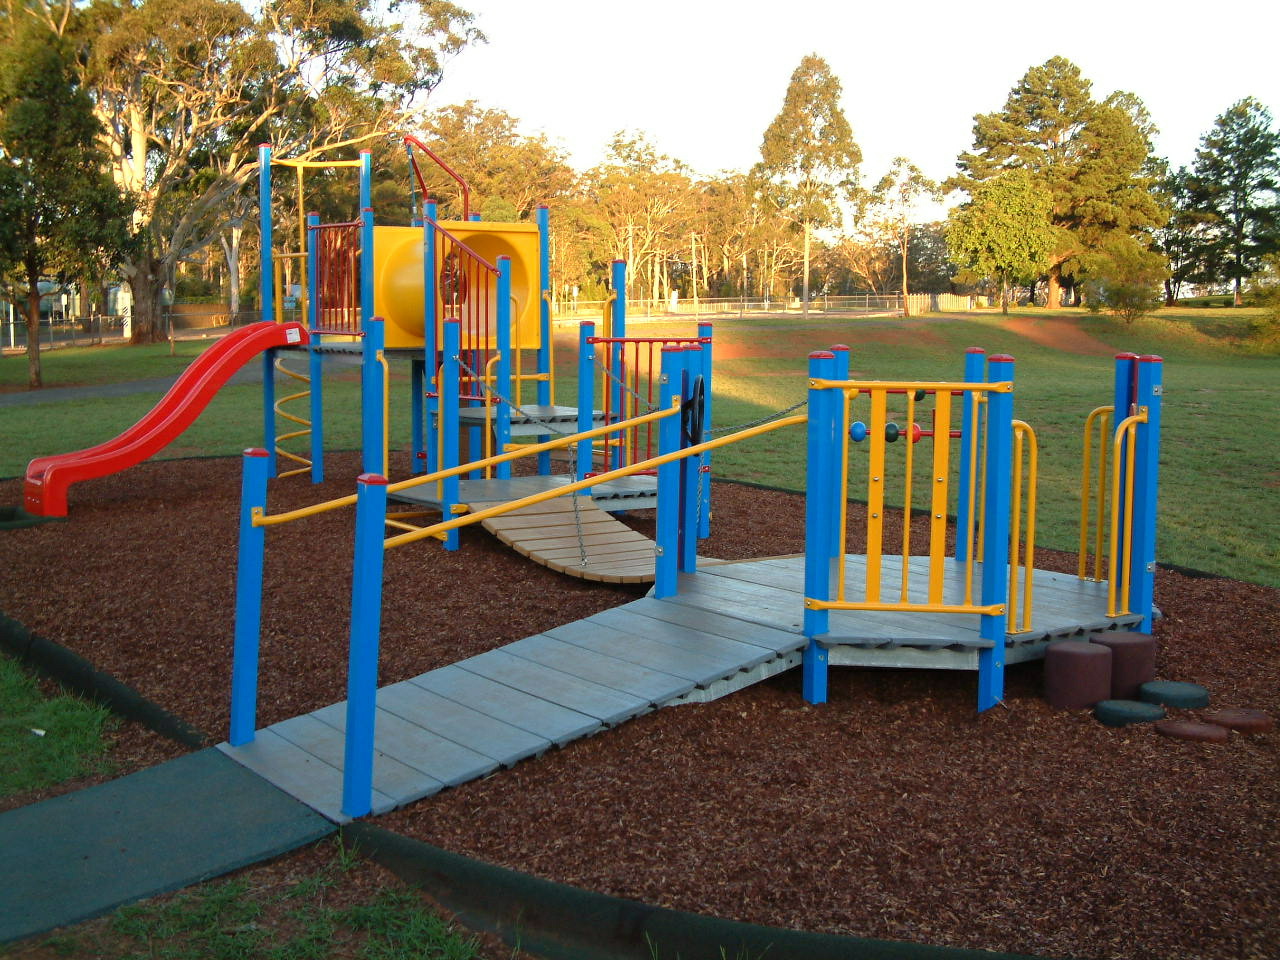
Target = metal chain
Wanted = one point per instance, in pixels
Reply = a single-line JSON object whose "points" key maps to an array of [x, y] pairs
{"points": [[755, 423]]}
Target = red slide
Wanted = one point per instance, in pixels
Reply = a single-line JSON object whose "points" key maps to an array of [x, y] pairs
{"points": [[45, 492]]}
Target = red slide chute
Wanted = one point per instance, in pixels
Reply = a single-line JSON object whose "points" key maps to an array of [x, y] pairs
{"points": [[47, 480]]}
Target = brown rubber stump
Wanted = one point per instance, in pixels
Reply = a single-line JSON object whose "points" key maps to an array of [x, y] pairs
{"points": [[1240, 719], [1133, 661], [1077, 674], [1121, 713], [1193, 730]]}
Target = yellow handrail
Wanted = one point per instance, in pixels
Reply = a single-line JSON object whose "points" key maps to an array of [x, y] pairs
{"points": [[652, 463], [1124, 444], [1023, 432], [269, 520], [1101, 416]]}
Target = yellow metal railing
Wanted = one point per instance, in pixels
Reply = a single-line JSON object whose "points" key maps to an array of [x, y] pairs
{"points": [[1024, 438], [1093, 490], [878, 393], [1124, 447], [1104, 486], [302, 423]]}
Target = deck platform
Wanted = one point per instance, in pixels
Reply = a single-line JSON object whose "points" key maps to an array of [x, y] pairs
{"points": [[733, 624]]}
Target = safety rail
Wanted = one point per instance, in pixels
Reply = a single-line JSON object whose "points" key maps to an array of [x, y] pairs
{"points": [[1024, 503], [1124, 453], [1093, 491], [337, 292], [302, 423], [463, 286], [410, 142]]}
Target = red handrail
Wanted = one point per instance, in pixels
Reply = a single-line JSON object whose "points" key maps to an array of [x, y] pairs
{"points": [[466, 190]]}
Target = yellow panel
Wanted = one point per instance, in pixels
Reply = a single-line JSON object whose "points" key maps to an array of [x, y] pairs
{"points": [[398, 293]]}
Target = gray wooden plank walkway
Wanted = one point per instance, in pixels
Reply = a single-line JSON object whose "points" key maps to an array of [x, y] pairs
{"points": [[731, 625]]}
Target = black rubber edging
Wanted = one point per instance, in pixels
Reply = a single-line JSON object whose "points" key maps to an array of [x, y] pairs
{"points": [[561, 922], [80, 676], [15, 518]]}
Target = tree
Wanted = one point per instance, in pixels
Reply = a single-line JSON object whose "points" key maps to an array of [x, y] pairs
{"points": [[60, 214], [1184, 237], [187, 89], [808, 154], [1125, 279], [893, 201], [1089, 156], [1003, 232], [1236, 186]]}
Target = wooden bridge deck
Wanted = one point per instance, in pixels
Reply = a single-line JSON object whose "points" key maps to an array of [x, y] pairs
{"points": [[733, 624]]}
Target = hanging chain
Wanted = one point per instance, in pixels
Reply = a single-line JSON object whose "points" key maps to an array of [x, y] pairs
{"points": [[755, 423]]}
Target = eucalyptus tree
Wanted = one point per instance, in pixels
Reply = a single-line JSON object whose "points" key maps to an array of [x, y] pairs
{"points": [[1089, 157], [893, 203], [808, 157], [187, 89]]}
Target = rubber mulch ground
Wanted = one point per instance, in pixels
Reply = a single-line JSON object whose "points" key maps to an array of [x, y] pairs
{"points": [[894, 811]]}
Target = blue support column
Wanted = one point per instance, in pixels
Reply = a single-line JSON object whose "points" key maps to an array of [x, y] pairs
{"points": [[372, 398], [995, 551], [818, 521], [269, 409], [617, 328], [705, 332], [666, 573], [449, 425], [316, 358], [248, 628], [502, 409], [431, 335], [1125, 401], [1146, 487], [843, 367], [544, 327], [362, 664], [690, 497], [975, 360], [586, 395], [266, 279], [366, 179]]}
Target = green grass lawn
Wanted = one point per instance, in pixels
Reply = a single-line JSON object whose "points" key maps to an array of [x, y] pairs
{"points": [[1219, 466]]}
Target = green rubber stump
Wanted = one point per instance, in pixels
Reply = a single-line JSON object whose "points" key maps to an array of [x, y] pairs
{"points": [[1121, 713], [1173, 693]]}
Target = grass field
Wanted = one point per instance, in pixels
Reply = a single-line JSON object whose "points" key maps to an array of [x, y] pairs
{"points": [[1219, 467]]}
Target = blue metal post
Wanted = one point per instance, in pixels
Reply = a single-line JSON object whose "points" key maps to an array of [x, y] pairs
{"points": [[975, 359], [544, 326], [1124, 399], [372, 393], [617, 328], [449, 426], [690, 499], [430, 333], [1146, 486], [705, 332], [269, 409], [502, 409], [248, 629], [315, 356], [818, 521], [666, 574], [366, 179], [995, 524], [362, 663], [586, 395], [843, 368], [266, 277]]}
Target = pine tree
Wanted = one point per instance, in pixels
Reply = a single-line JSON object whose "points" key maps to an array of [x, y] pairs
{"points": [[1090, 157], [1236, 188], [808, 153]]}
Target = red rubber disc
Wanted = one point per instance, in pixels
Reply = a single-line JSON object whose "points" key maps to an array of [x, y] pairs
{"points": [[1242, 719], [1193, 730]]}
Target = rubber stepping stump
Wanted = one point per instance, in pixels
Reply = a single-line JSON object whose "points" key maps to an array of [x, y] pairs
{"points": [[1077, 674], [1193, 730], [1133, 661], [1174, 693], [1240, 719], [1121, 713]]}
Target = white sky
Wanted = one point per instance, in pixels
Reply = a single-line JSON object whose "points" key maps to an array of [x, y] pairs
{"points": [[703, 78]]}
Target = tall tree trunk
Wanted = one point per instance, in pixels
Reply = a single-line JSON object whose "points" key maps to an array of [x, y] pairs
{"points": [[906, 299], [1053, 291], [804, 286], [146, 284], [34, 379], [1170, 298]]}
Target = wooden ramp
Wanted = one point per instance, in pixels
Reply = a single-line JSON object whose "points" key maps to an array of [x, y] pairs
{"points": [[573, 535]]}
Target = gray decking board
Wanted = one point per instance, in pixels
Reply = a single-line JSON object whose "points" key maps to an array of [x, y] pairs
{"points": [[298, 773], [645, 652], [653, 685], [501, 742], [722, 623], [558, 724], [607, 705], [439, 758], [744, 655]]}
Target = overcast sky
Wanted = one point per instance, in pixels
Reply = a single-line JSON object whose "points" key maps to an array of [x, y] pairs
{"points": [[703, 78]]}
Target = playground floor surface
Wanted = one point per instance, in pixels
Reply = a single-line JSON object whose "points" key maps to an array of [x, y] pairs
{"points": [[893, 811]]}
